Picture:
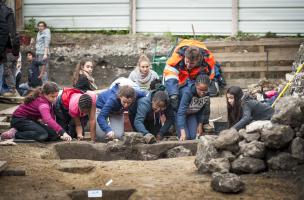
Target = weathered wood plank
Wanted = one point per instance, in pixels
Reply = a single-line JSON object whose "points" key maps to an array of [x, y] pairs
{"points": [[4, 125], [261, 42], [255, 56], [3, 165], [8, 112], [13, 100], [13, 172], [257, 69]]}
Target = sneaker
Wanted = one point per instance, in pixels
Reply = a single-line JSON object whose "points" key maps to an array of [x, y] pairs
{"points": [[208, 128], [10, 134]]}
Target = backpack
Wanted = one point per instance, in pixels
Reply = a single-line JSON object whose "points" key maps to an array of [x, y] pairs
{"points": [[67, 94]]}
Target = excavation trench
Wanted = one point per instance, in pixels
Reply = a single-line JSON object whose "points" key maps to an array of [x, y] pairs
{"points": [[119, 151]]}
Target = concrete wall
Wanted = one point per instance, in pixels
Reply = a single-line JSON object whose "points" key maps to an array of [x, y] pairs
{"points": [[79, 14], [278, 16], [174, 16]]}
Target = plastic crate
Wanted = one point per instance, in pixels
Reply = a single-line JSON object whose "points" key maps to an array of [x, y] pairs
{"points": [[158, 65]]}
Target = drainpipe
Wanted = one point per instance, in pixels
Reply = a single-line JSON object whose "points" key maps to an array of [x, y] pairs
{"points": [[235, 17]]}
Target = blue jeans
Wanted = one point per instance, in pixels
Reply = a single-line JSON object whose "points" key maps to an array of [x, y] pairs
{"points": [[190, 127], [45, 75], [1, 76]]}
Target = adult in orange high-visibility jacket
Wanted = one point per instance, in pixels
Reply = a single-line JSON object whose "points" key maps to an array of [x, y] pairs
{"points": [[189, 59]]}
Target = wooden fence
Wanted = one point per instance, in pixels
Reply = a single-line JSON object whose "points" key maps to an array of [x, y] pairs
{"points": [[245, 62]]}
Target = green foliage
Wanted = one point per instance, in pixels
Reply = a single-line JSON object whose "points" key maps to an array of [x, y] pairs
{"points": [[270, 35], [245, 36], [104, 32], [30, 27]]}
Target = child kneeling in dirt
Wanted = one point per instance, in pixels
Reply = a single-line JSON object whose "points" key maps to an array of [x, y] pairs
{"points": [[35, 119], [152, 114], [74, 109], [194, 109], [242, 109], [111, 105]]}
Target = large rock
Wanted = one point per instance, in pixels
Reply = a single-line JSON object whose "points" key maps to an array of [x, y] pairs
{"points": [[221, 165], [205, 152], [289, 111], [297, 148], [228, 155], [277, 137], [257, 126], [178, 151], [282, 161], [227, 183], [133, 138], [300, 133], [249, 137], [247, 165], [253, 149], [227, 139]]}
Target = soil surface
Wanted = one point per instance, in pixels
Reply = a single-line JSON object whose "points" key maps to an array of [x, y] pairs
{"points": [[175, 178]]}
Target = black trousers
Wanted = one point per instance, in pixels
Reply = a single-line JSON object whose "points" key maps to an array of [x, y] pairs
{"points": [[28, 129], [65, 120]]}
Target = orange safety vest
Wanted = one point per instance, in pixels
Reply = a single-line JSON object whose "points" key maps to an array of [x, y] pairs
{"points": [[177, 61]]}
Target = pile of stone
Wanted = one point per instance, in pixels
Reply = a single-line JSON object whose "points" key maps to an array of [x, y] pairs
{"points": [[259, 90], [264, 145], [297, 86]]}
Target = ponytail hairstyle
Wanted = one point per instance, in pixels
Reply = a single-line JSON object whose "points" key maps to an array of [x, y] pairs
{"points": [[235, 111], [85, 102], [46, 89], [193, 54], [127, 92], [143, 58], [161, 98], [202, 78], [79, 67]]}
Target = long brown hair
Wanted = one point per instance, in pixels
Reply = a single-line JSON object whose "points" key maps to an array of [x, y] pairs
{"points": [[46, 89], [235, 111], [78, 67]]}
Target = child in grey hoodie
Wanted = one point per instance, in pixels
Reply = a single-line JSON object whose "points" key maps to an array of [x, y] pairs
{"points": [[242, 109]]}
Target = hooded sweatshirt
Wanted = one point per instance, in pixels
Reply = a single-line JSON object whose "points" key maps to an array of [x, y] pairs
{"points": [[109, 103], [40, 108], [253, 110], [143, 110]]}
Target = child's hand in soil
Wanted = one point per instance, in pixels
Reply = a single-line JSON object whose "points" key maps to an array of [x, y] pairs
{"points": [[183, 135], [66, 137], [79, 137]]}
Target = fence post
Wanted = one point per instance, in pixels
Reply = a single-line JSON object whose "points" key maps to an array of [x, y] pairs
{"points": [[133, 15], [235, 17]]}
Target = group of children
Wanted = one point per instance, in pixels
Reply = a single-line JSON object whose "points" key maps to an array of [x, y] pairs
{"points": [[49, 114]]}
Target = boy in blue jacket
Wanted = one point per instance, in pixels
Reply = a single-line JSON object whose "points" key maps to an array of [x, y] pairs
{"points": [[194, 109], [110, 105], [146, 115]]}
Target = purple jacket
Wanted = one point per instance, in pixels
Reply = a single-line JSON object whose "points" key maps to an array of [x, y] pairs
{"points": [[40, 108]]}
